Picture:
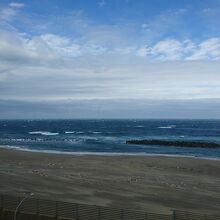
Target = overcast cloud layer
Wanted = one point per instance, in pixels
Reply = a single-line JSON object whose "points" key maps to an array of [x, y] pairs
{"points": [[96, 66]]}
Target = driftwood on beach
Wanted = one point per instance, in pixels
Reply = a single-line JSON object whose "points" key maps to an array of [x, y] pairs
{"points": [[175, 143]]}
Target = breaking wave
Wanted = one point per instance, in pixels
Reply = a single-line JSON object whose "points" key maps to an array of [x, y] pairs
{"points": [[47, 133], [167, 127]]}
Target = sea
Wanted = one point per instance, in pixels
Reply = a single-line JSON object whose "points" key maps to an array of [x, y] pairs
{"points": [[108, 136]]}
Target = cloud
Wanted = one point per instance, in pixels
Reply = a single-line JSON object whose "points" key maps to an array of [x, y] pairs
{"points": [[208, 49], [186, 109], [61, 45], [25, 75], [43, 48], [102, 64], [7, 13], [144, 26], [49, 48], [82, 36], [16, 5], [101, 3], [168, 49], [209, 19], [14, 49], [172, 49], [161, 25]]}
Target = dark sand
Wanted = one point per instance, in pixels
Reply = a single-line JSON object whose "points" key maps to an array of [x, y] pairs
{"points": [[150, 183]]}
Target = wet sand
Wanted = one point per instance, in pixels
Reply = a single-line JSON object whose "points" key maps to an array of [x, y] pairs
{"points": [[150, 183]]}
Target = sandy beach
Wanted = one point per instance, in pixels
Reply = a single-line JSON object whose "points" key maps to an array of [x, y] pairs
{"points": [[150, 183]]}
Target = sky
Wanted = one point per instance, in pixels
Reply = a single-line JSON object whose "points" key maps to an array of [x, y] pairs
{"points": [[109, 59]]}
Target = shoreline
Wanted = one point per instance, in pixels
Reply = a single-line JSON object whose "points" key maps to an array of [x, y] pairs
{"points": [[151, 183], [108, 154]]}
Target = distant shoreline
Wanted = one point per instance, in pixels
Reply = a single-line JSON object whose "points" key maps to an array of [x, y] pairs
{"points": [[107, 154]]}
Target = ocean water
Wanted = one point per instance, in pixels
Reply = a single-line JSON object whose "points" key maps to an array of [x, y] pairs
{"points": [[108, 136]]}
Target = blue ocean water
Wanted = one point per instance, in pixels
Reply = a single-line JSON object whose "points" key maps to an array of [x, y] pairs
{"points": [[108, 136]]}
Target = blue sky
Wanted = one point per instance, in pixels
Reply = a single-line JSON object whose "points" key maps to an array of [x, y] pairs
{"points": [[75, 51], [196, 20]]}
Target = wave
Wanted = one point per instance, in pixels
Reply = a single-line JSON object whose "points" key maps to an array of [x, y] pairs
{"points": [[47, 133], [96, 132], [105, 153], [167, 127], [139, 126], [70, 132], [46, 140], [21, 139], [12, 147], [199, 129]]}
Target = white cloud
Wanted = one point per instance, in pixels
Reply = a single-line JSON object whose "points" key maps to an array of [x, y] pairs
{"points": [[14, 49], [55, 40], [16, 5], [100, 61], [49, 47], [52, 67], [101, 3], [62, 45], [143, 51], [208, 49], [167, 50], [7, 13], [164, 50], [44, 48], [145, 26], [164, 24], [125, 50], [172, 49]]}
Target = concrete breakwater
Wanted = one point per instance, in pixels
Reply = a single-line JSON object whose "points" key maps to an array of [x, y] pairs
{"points": [[175, 143]]}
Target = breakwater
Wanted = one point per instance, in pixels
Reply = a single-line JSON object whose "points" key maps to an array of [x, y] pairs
{"points": [[175, 143], [109, 136]]}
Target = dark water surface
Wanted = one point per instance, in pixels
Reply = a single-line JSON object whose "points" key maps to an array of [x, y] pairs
{"points": [[109, 136]]}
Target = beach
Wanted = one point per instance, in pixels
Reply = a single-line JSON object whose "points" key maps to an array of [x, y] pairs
{"points": [[151, 183]]}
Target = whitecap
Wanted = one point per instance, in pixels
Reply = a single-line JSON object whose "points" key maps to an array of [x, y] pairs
{"points": [[69, 132], [47, 133], [11, 147], [167, 127], [19, 139]]}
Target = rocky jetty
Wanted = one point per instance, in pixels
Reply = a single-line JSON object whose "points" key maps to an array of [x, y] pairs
{"points": [[175, 143]]}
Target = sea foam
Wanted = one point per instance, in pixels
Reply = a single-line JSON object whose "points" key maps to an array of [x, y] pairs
{"points": [[47, 133], [69, 132], [104, 153], [167, 127]]}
